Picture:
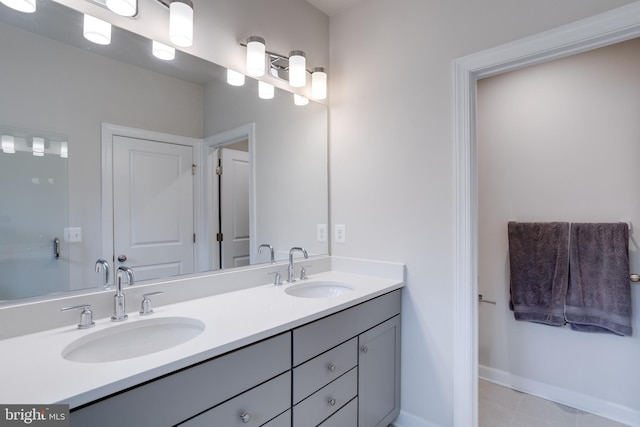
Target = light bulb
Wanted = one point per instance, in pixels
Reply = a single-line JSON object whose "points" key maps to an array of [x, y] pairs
{"points": [[8, 144], [300, 100], [38, 146], [162, 51], [319, 83], [255, 56], [181, 23], [123, 7], [26, 6], [97, 30], [297, 69], [265, 90], [64, 150], [234, 78]]}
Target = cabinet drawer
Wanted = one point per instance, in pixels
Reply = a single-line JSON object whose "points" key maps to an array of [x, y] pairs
{"points": [[320, 405], [252, 408], [282, 420], [321, 370], [345, 417], [319, 336], [199, 388]]}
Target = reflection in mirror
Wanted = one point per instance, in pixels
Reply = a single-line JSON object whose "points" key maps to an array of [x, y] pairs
{"points": [[108, 103]]}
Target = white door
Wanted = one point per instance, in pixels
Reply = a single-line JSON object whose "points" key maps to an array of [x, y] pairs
{"points": [[153, 207], [234, 207]]}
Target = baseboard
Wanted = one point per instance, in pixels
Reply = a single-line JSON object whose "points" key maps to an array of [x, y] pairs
{"points": [[602, 408], [406, 419]]}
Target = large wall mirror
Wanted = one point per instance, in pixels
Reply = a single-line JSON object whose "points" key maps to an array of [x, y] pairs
{"points": [[110, 153]]}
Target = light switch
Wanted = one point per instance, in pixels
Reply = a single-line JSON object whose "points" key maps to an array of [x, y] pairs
{"points": [[322, 233], [73, 235], [340, 236]]}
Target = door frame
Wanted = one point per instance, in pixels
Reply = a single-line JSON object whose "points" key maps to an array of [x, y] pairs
{"points": [[601, 30], [209, 213], [109, 131]]}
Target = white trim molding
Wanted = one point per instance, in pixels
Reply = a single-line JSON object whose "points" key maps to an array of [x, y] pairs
{"points": [[598, 31]]}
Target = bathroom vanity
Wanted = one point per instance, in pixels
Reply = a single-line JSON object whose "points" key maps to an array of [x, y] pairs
{"points": [[341, 370]]}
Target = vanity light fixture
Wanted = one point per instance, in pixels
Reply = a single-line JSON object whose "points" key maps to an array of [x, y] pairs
{"points": [[300, 100], [38, 146], [319, 83], [181, 22], [162, 51], [265, 90], [127, 8], [255, 56], [64, 150], [97, 30], [8, 144], [26, 6], [235, 78], [297, 68]]}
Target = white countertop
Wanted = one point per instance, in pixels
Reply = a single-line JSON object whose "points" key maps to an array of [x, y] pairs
{"points": [[34, 372]]}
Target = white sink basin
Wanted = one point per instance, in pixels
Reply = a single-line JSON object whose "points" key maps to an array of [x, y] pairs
{"points": [[319, 289], [133, 339]]}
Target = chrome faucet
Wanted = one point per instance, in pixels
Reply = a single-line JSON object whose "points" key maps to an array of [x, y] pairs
{"points": [[264, 245], [102, 265], [119, 311], [290, 272]]}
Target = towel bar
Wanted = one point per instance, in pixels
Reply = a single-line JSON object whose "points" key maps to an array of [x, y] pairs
{"points": [[480, 299], [634, 277]]}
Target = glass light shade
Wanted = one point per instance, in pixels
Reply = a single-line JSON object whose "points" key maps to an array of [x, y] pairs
{"points": [[64, 150], [162, 51], [26, 6], [235, 78], [297, 69], [256, 56], [123, 7], [300, 100], [38, 146], [181, 23], [97, 30], [319, 83], [265, 90], [8, 144]]}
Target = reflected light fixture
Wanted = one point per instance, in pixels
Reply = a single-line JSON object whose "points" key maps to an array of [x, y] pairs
{"points": [[255, 56], [123, 7], [265, 90], [162, 51], [319, 83], [297, 69], [38, 146], [181, 22], [300, 100], [8, 144], [26, 6], [97, 30], [235, 78], [64, 150]]}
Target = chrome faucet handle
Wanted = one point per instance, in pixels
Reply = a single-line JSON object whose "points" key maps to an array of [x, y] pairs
{"points": [[145, 306], [86, 315], [303, 272], [277, 279]]}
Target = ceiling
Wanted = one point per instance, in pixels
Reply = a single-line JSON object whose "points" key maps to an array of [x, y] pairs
{"points": [[333, 7]]}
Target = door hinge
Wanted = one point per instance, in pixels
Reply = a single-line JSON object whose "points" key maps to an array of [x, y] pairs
{"points": [[218, 170], [194, 237], [193, 169], [218, 237]]}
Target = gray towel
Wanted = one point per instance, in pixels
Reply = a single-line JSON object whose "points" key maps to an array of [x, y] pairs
{"points": [[539, 263], [599, 294]]}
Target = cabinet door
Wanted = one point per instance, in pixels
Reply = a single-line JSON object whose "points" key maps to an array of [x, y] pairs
{"points": [[379, 374]]}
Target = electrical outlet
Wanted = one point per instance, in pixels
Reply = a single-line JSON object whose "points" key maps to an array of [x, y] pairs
{"points": [[322, 233], [73, 235], [340, 235]]}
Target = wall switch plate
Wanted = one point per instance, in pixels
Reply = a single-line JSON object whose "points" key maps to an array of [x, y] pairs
{"points": [[322, 233], [340, 236], [73, 235]]}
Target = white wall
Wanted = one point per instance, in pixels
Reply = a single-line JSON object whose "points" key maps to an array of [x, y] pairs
{"points": [[559, 142], [392, 157]]}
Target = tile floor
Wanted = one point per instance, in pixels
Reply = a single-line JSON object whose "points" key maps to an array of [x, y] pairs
{"points": [[503, 407]]}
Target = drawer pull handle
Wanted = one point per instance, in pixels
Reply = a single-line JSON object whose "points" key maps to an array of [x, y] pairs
{"points": [[332, 401], [245, 417], [364, 349], [332, 367]]}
